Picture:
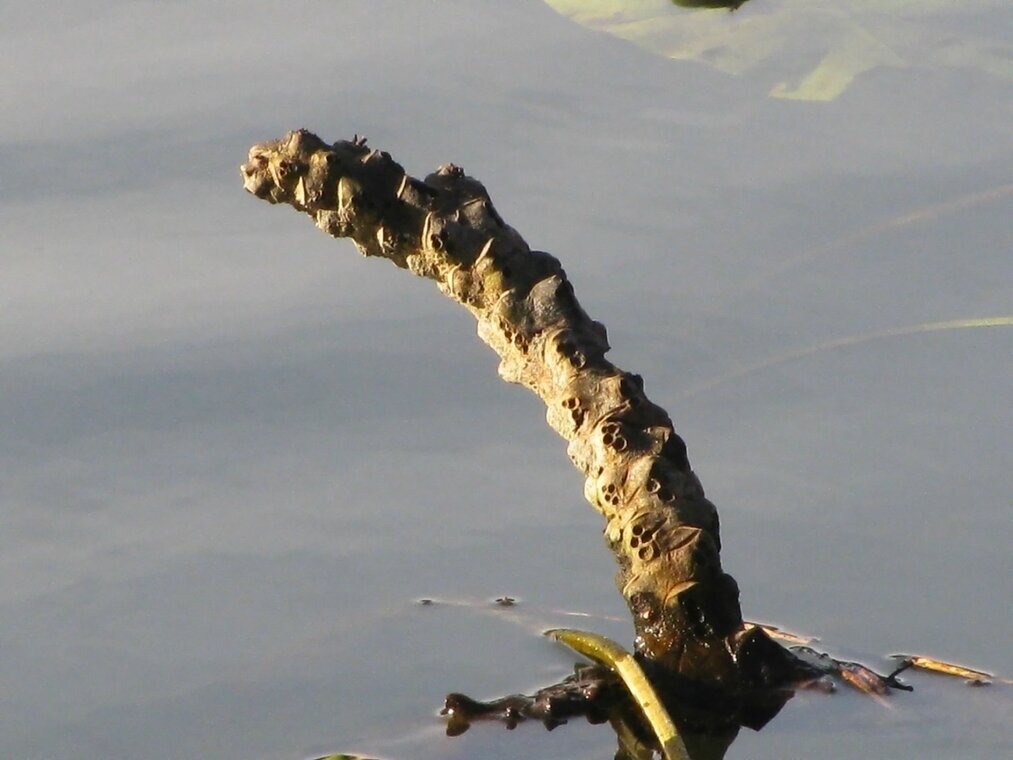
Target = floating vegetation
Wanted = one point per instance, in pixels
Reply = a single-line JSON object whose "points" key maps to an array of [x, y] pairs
{"points": [[782, 635], [970, 675], [856, 675], [806, 49]]}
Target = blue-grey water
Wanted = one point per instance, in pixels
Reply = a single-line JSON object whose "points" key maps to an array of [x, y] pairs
{"points": [[234, 453]]}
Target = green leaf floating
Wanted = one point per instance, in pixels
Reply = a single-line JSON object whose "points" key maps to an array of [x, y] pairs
{"points": [[810, 49], [606, 652]]}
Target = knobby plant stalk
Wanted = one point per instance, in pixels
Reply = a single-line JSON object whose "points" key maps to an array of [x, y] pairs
{"points": [[659, 525]]}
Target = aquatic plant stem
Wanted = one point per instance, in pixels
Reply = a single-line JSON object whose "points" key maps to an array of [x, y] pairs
{"points": [[659, 525]]}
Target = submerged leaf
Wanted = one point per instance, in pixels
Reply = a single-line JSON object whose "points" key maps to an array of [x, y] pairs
{"points": [[806, 49]]}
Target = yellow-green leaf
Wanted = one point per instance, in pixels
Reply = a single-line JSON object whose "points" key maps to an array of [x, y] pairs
{"points": [[607, 652]]}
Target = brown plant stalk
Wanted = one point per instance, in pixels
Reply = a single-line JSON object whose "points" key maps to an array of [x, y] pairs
{"points": [[661, 528]]}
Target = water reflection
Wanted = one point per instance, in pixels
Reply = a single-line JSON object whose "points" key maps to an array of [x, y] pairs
{"points": [[707, 720], [729, 4]]}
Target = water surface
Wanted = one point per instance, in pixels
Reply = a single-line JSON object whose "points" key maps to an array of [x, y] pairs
{"points": [[235, 453]]}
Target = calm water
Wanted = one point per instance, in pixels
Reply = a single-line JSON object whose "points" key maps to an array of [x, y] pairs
{"points": [[234, 453]]}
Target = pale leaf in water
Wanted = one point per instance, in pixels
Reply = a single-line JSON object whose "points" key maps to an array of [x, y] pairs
{"points": [[813, 50]]}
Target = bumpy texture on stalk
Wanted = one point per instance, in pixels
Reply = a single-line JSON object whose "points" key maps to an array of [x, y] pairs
{"points": [[658, 523]]}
